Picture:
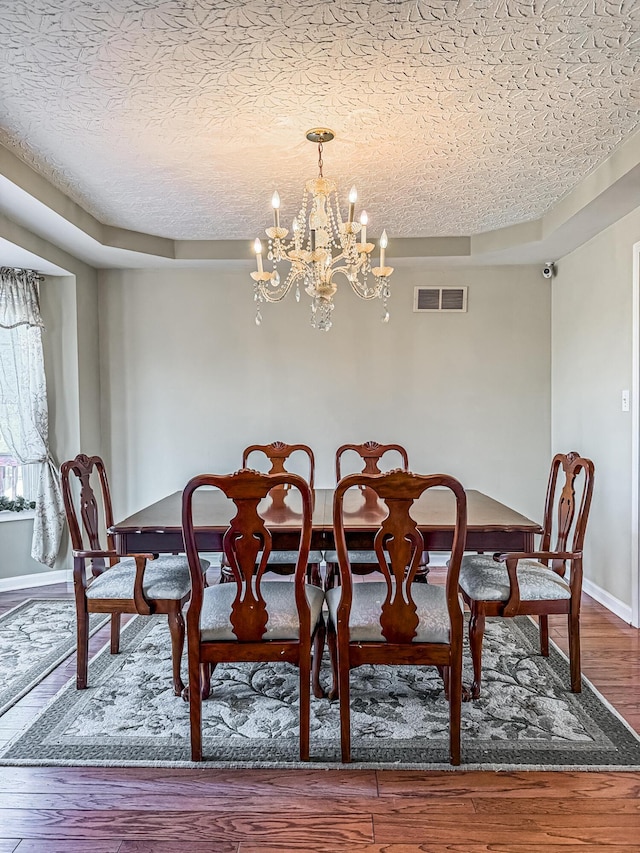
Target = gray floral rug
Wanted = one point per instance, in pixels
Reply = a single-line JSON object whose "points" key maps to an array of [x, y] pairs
{"points": [[526, 718], [35, 637]]}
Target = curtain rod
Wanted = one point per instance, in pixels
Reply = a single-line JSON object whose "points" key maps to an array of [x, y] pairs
{"points": [[34, 273]]}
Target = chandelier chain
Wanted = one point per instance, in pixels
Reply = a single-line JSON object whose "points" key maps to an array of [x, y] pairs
{"points": [[320, 161]]}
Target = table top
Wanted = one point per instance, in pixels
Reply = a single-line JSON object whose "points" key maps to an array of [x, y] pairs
{"points": [[363, 512]]}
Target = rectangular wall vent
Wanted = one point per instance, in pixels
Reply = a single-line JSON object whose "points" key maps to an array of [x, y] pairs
{"points": [[440, 299]]}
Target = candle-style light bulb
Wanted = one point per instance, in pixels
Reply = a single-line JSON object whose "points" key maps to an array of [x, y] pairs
{"points": [[257, 248], [275, 204], [353, 198], [384, 242], [364, 219]]}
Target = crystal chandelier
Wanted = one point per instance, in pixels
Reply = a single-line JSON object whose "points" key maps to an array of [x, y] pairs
{"points": [[322, 244]]}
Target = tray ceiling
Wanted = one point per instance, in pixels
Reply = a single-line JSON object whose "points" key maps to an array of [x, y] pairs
{"points": [[180, 118]]}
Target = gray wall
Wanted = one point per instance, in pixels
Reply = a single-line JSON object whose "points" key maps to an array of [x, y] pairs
{"points": [[592, 363], [187, 379]]}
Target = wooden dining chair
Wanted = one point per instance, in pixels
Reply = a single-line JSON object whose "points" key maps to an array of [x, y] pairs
{"points": [[137, 583], [278, 453], [396, 621], [536, 583], [250, 619], [364, 562]]}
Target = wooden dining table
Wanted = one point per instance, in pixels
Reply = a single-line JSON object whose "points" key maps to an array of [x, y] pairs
{"points": [[491, 525]]}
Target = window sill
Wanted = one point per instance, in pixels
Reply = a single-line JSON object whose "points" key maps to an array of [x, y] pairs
{"points": [[8, 515]]}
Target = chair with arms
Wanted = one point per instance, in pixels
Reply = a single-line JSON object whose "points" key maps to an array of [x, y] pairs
{"points": [[248, 619], [365, 562], [139, 583], [535, 584], [397, 621]]}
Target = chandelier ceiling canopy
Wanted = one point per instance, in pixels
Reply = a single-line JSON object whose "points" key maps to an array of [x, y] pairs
{"points": [[322, 245]]}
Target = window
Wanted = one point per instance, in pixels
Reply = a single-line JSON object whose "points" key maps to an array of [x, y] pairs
{"points": [[16, 480]]}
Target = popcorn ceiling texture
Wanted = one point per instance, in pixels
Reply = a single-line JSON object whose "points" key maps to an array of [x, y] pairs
{"points": [[179, 118]]}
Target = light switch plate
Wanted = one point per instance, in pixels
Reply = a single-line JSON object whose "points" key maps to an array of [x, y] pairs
{"points": [[625, 400]]}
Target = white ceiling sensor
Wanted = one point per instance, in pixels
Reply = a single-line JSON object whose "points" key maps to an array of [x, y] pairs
{"points": [[440, 299]]}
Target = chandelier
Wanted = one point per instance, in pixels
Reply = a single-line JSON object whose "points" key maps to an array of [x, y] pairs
{"points": [[322, 244]]}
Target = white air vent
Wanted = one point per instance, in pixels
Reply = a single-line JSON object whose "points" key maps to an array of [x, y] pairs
{"points": [[440, 299]]}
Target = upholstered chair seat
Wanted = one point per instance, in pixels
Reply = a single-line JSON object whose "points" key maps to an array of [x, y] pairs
{"points": [[482, 579], [167, 577], [288, 558], [279, 596], [368, 598], [358, 557]]}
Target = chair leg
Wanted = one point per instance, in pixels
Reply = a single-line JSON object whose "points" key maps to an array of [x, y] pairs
{"points": [[543, 622], [115, 633], [318, 647], [305, 701], [345, 710], [455, 706], [574, 652], [331, 576], [333, 657], [82, 635], [195, 708], [314, 575], [205, 679], [444, 675], [176, 629], [476, 635]]}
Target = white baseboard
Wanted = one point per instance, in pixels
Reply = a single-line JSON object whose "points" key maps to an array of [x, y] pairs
{"points": [[607, 600], [39, 579]]}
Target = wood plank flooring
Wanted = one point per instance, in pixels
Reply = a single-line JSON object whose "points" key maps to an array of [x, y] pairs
{"points": [[147, 810]]}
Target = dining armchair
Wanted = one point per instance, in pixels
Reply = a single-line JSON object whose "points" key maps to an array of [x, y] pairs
{"points": [[250, 619], [397, 621], [364, 562], [139, 583], [536, 583]]}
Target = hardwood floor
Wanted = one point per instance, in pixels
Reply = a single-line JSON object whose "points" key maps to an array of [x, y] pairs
{"points": [[97, 810]]}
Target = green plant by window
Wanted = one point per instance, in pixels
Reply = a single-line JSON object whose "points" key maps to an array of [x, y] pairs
{"points": [[17, 505]]}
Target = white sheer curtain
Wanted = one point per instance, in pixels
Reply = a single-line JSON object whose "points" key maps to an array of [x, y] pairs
{"points": [[24, 422]]}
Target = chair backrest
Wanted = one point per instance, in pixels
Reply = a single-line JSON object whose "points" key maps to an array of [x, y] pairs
{"points": [[277, 453], [399, 545], [246, 538], [561, 514], [85, 467], [370, 452]]}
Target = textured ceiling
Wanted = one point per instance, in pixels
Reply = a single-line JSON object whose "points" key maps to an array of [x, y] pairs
{"points": [[179, 118]]}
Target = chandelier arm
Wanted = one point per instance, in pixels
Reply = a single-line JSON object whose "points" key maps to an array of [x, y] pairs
{"points": [[273, 295], [375, 294]]}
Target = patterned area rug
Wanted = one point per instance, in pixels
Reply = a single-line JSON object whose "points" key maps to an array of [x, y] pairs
{"points": [[526, 718], [35, 637]]}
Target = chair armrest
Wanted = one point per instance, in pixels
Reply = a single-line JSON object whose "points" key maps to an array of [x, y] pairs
{"points": [[143, 606], [537, 555], [89, 554], [512, 559]]}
